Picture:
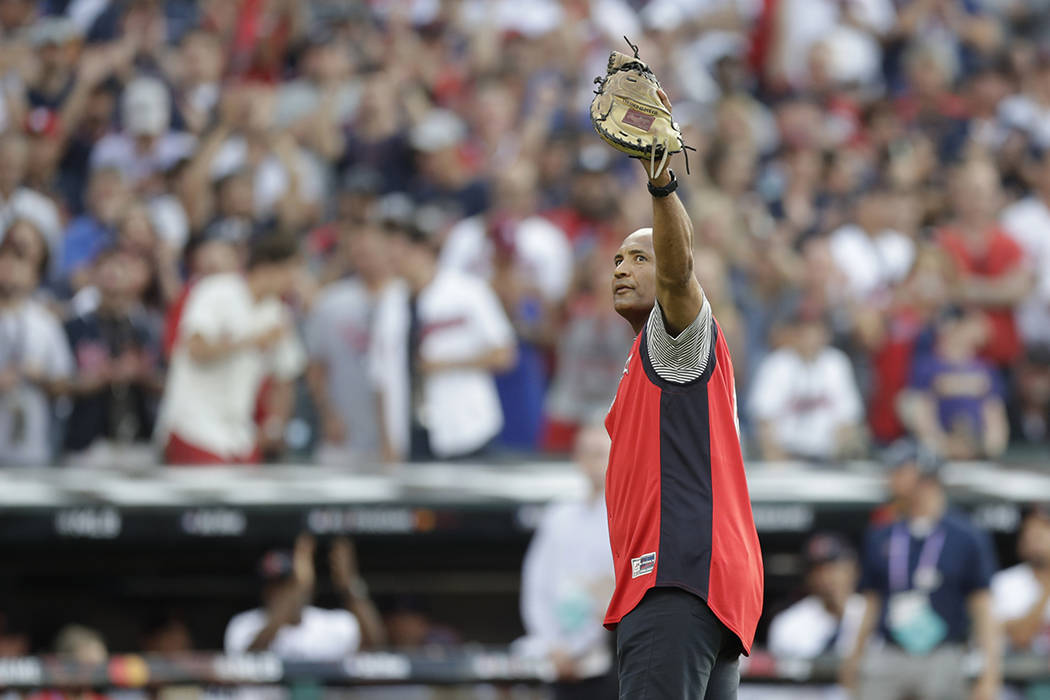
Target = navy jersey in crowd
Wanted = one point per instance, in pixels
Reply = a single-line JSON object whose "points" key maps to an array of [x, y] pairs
{"points": [[965, 565], [118, 412]]}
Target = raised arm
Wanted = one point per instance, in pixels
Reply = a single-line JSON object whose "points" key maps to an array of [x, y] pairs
{"points": [[677, 288]]}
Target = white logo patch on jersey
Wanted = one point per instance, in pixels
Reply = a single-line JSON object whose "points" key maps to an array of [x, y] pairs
{"points": [[640, 566]]}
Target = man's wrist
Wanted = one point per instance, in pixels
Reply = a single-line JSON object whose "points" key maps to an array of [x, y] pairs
{"points": [[356, 589], [669, 184], [662, 179]]}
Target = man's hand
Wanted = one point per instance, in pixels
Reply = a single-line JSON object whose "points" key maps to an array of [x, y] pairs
{"points": [[332, 428], [266, 340], [303, 561], [848, 672], [986, 688], [564, 666], [342, 559]]}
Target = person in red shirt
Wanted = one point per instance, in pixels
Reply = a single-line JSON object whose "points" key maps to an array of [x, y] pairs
{"points": [[992, 273], [688, 564]]}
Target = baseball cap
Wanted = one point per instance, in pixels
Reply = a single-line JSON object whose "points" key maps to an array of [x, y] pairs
{"points": [[827, 547], [43, 122], [276, 565], [908, 451]]}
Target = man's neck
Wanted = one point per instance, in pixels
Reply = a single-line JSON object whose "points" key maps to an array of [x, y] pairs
{"points": [[927, 514], [836, 607], [256, 286], [422, 279], [374, 283]]}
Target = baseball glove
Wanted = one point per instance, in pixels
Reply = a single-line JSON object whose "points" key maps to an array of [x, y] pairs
{"points": [[629, 115]]}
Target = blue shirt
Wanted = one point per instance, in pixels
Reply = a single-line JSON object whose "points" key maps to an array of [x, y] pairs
{"points": [[966, 564], [85, 239], [960, 390]]}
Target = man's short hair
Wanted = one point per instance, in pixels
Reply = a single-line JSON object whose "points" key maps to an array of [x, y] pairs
{"points": [[272, 249]]}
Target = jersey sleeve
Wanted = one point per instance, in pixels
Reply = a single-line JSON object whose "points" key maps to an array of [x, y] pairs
{"points": [[682, 358], [203, 312], [241, 632]]}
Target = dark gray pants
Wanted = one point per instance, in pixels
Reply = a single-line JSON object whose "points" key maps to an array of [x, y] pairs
{"points": [[672, 647]]}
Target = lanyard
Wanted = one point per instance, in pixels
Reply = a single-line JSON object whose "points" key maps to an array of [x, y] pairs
{"points": [[900, 542]]}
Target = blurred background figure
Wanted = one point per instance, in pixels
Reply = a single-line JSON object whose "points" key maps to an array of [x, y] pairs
{"points": [[338, 338], [905, 461], [409, 627], [567, 580], [82, 644], [289, 626], [233, 333], [166, 633], [955, 401], [118, 357], [804, 400], [926, 582], [828, 619], [437, 344], [1021, 593], [36, 364]]}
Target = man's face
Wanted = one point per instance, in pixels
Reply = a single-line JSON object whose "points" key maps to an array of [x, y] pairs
{"points": [[1033, 545], [975, 192], [634, 275], [282, 277], [107, 196], [366, 249], [274, 594], [811, 336], [17, 276], [834, 580], [902, 480]]}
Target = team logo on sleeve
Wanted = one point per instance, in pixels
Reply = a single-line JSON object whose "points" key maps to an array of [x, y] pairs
{"points": [[640, 566]]}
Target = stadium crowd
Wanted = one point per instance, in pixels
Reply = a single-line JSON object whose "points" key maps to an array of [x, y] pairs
{"points": [[350, 231]]}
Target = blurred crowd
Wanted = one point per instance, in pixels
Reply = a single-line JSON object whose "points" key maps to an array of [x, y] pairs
{"points": [[350, 230]]}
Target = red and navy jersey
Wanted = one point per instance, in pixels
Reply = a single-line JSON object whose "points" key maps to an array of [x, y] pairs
{"points": [[676, 492]]}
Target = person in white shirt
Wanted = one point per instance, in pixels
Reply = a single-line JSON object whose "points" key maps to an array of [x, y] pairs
{"points": [[538, 248], [804, 397], [288, 626], [825, 621], [436, 345], [146, 147], [871, 255], [1028, 222], [567, 581], [234, 333], [35, 364], [1021, 593]]}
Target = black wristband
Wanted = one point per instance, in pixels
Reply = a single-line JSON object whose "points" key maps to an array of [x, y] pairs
{"points": [[666, 189]]}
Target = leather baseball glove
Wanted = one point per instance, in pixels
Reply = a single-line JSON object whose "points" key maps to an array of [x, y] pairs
{"points": [[631, 113]]}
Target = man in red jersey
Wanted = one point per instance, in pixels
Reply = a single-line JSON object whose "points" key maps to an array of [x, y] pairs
{"points": [[688, 562]]}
